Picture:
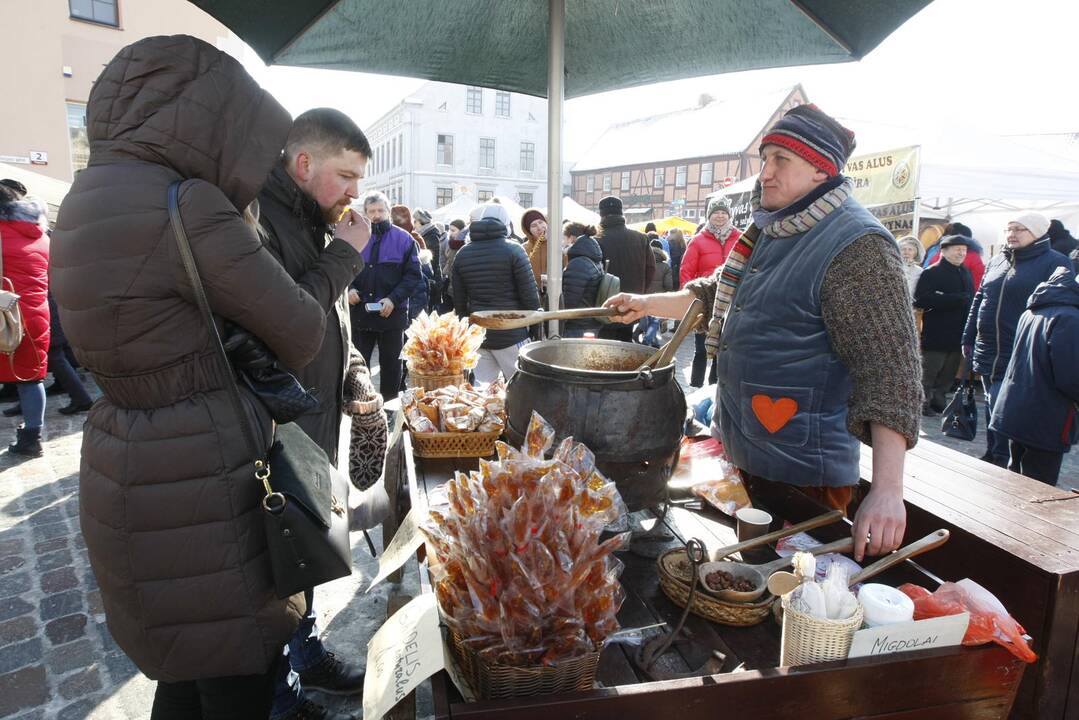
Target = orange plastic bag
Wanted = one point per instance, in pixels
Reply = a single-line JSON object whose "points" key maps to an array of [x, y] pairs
{"points": [[989, 621]]}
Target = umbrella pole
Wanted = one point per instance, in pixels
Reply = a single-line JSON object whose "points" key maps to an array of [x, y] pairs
{"points": [[556, 95]]}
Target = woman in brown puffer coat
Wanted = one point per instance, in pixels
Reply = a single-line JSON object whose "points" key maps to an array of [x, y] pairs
{"points": [[170, 508]]}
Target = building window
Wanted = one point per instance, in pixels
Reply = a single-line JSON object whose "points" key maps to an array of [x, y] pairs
{"points": [[474, 101], [76, 130], [706, 174], [657, 179], [625, 181], [396, 152], [680, 176], [445, 150], [528, 156], [606, 183], [691, 213], [525, 199], [443, 196], [502, 104], [485, 195], [487, 153], [99, 11], [590, 183]]}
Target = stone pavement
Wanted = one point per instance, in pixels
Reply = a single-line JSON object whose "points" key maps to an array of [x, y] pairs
{"points": [[57, 659]]}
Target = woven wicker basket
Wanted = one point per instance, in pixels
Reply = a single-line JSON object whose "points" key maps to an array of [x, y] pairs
{"points": [[675, 577], [808, 639], [434, 382], [453, 445], [491, 680]]}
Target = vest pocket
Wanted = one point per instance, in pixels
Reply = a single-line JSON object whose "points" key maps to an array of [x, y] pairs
{"points": [[777, 414]]}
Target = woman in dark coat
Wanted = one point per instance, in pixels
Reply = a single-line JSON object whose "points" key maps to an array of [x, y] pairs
{"points": [[580, 279], [26, 273], [170, 507]]}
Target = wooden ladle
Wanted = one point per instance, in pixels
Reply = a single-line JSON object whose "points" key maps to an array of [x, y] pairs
{"points": [[512, 319], [663, 356], [758, 575], [781, 583]]}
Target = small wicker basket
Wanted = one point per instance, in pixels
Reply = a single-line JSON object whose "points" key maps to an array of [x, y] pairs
{"points": [[492, 680], [675, 576], [434, 382], [808, 639], [453, 444]]}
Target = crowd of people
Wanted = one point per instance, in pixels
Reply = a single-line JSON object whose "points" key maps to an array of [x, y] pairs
{"points": [[307, 277]]}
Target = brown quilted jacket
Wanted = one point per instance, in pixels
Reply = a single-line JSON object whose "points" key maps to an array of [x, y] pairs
{"points": [[169, 505]]}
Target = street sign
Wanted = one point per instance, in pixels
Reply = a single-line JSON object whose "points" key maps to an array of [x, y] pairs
{"points": [[37, 157]]}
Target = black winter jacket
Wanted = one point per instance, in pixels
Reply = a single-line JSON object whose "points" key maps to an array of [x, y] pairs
{"points": [[944, 292], [434, 239], [295, 232], [492, 272], [1009, 280], [580, 281], [629, 254]]}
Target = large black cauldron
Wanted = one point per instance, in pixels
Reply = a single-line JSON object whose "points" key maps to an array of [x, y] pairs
{"points": [[591, 390]]}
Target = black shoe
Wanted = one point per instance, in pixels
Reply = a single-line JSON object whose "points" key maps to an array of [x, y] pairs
{"points": [[27, 442], [71, 408], [986, 458], [13, 411], [333, 676], [54, 389], [928, 411], [310, 710]]}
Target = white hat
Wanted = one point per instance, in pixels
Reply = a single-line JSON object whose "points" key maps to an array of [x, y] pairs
{"points": [[499, 213], [1035, 222]]}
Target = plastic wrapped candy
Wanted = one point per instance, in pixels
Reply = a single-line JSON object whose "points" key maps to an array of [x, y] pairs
{"points": [[518, 569], [442, 344], [456, 409], [989, 620]]}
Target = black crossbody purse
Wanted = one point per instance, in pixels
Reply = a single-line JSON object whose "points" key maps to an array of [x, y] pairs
{"points": [[305, 508]]}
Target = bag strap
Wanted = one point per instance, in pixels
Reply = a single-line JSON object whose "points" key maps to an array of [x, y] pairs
{"points": [[262, 469]]}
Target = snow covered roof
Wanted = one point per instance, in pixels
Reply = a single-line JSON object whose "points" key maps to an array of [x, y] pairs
{"points": [[722, 127]]}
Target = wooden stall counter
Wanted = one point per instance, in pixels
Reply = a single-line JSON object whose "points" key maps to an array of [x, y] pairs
{"points": [[953, 683]]}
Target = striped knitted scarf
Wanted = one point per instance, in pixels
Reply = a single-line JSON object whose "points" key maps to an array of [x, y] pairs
{"points": [[792, 220]]}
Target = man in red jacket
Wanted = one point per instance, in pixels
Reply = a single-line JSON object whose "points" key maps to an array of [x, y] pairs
{"points": [[707, 251]]}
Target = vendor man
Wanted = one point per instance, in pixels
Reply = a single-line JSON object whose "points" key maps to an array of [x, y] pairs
{"points": [[813, 328]]}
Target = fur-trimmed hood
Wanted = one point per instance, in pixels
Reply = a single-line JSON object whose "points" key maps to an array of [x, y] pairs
{"points": [[20, 211]]}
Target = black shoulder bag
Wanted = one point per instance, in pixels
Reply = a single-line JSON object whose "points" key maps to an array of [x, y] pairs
{"points": [[306, 508], [961, 416]]}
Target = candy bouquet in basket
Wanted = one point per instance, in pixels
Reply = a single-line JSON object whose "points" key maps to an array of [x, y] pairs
{"points": [[526, 588], [440, 349], [455, 421]]}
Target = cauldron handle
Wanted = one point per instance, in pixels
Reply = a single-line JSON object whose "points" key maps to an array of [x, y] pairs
{"points": [[646, 377]]}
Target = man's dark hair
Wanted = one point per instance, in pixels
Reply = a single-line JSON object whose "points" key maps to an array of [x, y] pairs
{"points": [[459, 224], [650, 227], [325, 131], [7, 194], [14, 185]]}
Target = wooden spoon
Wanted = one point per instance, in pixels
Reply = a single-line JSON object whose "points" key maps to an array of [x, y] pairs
{"points": [[821, 520], [782, 582], [663, 356], [511, 319], [758, 575]]}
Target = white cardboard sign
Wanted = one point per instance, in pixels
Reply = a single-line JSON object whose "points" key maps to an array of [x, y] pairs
{"points": [[915, 635], [405, 651], [404, 545]]}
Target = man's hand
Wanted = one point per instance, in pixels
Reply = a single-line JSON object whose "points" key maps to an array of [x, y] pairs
{"points": [[630, 307], [353, 228], [387, 307], [353, 297], [883, 517]]}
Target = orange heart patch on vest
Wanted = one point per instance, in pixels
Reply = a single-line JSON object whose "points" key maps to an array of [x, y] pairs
{"points": [[773, 414]]}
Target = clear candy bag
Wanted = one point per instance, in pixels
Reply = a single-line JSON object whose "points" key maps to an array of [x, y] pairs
{"points": [[518, 569]]}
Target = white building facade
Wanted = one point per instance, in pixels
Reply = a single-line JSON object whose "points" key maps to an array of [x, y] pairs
{"points": [[446, 141]]}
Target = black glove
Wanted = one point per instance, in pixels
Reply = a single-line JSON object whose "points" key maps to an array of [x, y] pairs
{"points": [[246, 352]]}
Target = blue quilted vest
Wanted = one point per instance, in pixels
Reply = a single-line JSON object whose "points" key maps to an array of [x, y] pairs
{"points": [[783, 392]]}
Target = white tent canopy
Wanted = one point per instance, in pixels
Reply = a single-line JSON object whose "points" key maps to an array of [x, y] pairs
{"points": [[458, 209], [51, 190], [575, 212]]}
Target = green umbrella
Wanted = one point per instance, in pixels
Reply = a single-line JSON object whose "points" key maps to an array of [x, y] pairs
{"points": [[559, 48]]}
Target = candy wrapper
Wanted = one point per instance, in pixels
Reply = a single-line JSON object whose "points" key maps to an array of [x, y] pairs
{"points": [[518, 569], [704, 467], [442, 344], [456, 409]]}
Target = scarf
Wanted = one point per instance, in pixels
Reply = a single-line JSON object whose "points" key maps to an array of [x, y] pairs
{"points": [[720, 232], [796, 218]]}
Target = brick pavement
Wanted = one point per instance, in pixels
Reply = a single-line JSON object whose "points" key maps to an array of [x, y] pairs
{"points": [[57, 659]]}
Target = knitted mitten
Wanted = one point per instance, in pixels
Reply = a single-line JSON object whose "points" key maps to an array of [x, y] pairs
{"points": [[367, 445]]}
